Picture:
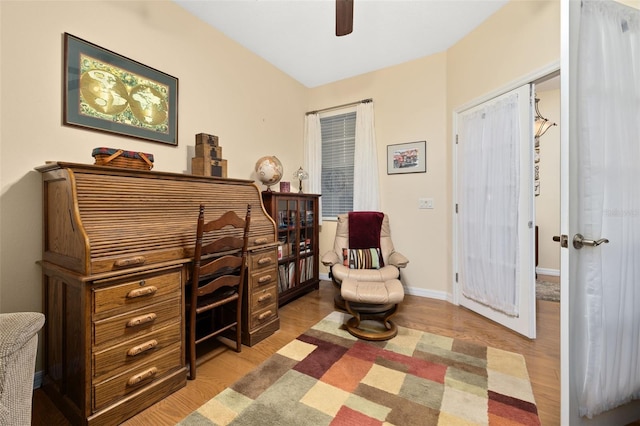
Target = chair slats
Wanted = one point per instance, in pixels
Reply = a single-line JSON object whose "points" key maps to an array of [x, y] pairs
{"points": [[217, 282]]}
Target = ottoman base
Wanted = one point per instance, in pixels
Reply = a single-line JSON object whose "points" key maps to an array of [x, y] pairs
{"points": [[372, 301]]}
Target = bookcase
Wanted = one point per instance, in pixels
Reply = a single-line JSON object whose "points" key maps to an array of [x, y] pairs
{"points": [[296, 217]]}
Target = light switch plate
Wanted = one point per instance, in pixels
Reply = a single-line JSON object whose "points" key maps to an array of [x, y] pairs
{"points": [[425, 203]]}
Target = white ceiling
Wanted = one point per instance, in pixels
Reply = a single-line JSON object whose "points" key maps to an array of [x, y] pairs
{"points": [[298, 36]]}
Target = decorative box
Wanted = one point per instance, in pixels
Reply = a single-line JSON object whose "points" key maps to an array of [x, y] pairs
{"points": [[202, 167], [120, 158], [206, 139], [208, 151], [285, 186]]}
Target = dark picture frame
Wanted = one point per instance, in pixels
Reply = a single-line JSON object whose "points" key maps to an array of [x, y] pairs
{"points": [[108, 92], [408, 157]]}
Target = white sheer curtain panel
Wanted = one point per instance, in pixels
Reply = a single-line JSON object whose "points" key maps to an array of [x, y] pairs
{"points": [[366, 186], [607, 310], [489, 182], [313, 157]]}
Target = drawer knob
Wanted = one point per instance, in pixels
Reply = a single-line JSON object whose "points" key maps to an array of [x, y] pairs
{"points": [[147, 346], [147, 374], [264, 315], [264, 297], [264, 261], [264, 279], [143, 291], [131, 261], [262, 240], [143, 319]]}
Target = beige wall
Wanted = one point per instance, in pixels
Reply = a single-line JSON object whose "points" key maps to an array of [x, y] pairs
{"points": [[223, 89], [548, 202], [409, 104]]}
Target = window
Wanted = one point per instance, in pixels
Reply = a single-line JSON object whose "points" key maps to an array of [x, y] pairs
{"points": [[338, 145]]}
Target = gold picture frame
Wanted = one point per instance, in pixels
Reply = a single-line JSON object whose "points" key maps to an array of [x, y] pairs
{"points": [[108, 92]]}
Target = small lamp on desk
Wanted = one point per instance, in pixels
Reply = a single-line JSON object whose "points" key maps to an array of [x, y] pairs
{"points": [[301, 175]]}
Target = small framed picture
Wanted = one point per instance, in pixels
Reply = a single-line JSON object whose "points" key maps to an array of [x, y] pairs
{"points": [[408, 157]]}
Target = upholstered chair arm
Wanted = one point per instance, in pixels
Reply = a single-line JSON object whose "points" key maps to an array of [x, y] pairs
{"points": [[18, 347], [330, 258], [397, 259]]}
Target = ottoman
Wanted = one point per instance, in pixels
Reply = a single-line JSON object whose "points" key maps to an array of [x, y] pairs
{"points": [[372, 301]]}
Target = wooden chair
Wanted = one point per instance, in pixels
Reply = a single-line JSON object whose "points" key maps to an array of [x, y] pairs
{"points": [[217, 280]]}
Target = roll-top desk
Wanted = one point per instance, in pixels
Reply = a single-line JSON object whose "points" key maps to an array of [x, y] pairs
{"points": [[117, 250]]}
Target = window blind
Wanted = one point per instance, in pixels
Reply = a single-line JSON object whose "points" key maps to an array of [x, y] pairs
{"points": [[338, 145]]}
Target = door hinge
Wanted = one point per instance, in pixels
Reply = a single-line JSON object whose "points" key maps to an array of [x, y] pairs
{"points": [[456, 139], [456, 207], [456, 277]]}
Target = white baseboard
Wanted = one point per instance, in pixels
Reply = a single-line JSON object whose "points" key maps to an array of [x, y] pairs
{"points": [[431, 294], [550, 272]]}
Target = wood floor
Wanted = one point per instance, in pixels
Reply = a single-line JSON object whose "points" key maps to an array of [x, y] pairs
{"points": [[221, 366]]}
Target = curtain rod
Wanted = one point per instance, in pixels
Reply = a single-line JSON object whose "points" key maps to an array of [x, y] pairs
{"points": [[364, 101]]}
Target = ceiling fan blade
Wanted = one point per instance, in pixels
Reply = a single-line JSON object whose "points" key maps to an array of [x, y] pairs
{"points": [[344, 17]]}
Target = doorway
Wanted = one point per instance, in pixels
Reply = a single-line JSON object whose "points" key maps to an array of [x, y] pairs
{"points": [[547, 199], [549, 82]]}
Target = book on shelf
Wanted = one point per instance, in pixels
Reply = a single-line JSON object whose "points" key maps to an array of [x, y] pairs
{"points": [[310, 267], [282, 278], [292, 275]]}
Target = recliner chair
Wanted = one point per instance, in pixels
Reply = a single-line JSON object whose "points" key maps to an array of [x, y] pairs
{"points": [[365, 269]]}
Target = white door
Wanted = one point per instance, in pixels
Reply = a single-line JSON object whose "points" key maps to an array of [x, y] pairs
{"points": [[495, 218], [600, 134]]}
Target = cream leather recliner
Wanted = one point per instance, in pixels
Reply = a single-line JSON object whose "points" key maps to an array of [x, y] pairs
{"points": [[393, 260], [368, 289]]}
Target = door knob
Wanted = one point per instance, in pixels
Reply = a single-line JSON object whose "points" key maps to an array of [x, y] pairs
{"points": [[579, 241]]}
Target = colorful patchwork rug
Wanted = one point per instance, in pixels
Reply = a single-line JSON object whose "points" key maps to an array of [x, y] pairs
{"points": [[328, 377]]}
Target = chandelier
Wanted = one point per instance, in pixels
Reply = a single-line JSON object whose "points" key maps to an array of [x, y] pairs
{"points": [[541, 124]]}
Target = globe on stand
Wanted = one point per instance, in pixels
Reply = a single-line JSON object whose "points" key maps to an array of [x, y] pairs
{"points": [[269, 170]]}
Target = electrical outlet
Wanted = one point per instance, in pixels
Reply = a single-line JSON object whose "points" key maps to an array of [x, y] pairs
{"points": [[425, 203]]}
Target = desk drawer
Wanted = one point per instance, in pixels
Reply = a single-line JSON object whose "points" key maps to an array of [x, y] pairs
{"points": [[127, 354], [263, 259], [263, 297], [135, 323], [108, 391], [258, 240], [137, 291], [263, 278], [263, 316]]}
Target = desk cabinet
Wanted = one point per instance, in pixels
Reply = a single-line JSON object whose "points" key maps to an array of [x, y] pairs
{"points": [[113, 345], [260, 303]]}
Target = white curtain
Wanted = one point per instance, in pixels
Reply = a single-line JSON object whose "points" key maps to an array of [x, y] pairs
{"points": [[313, 157], [607, 316], [489, 185], [366, 187]]}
